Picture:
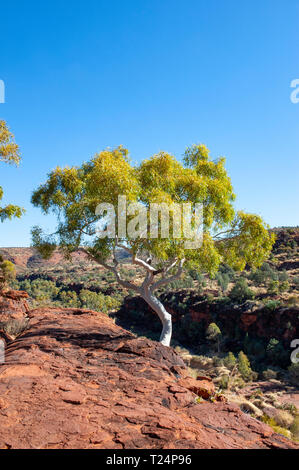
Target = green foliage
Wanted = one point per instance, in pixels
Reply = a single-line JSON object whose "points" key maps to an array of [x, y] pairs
{"points": [[223, 382], [272, 305], [264, 274], [9, 153], [240, 292], [74, 193], [258, 277], [284, 286], [213, 334], [41, 289], [7, 272], [223, 281], [69, 299], [244, 367], [276, 353], [46, 244], [46, 291], [273, 287], [230, 361], [97, 301], [273, 424], [228, 271], [283, 277], [184, 283]]}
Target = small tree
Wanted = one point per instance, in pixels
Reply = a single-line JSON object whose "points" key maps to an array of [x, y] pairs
{"points": [[240, 292], [244, 367], [7, 272], [213, 334], [223, 281], [9, 153], [273, 287], [73, 194], [230, 361]]}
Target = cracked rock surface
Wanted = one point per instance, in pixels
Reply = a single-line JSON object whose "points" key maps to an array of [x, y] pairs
{"points": [[74, 379]]}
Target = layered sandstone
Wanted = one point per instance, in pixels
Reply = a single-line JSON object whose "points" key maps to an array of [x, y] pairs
{"points": [[74, 379]]}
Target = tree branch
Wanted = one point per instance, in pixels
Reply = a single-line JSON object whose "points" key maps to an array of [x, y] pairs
{"points": [[122, 282], [167, 280]]}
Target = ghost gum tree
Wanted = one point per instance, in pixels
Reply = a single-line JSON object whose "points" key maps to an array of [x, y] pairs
{"points": [[73, 194], [9, 153]]}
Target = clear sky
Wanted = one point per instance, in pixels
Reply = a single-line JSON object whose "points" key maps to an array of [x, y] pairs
{"points": [[152, 75]]}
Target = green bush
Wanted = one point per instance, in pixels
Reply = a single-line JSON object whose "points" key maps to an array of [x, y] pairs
{"points": [[240, 292], [223, 382], [223, 281], [258, 277], [40, 289], [282, 277], [7, 272], [69, 299], [213, 334], [244, 367], [269, 272], [97, 301], [228, 270], [273, 287], [272, 305], [284, 286], [230, 361], [276, 353]]}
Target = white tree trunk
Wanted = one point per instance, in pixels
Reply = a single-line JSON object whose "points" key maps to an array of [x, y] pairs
{"points": [[164, 316]]}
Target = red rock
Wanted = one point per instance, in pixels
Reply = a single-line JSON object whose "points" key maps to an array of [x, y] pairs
{"points": [[13, 305], [247, 319], [199, 316], [203, 388], [76, 380]]}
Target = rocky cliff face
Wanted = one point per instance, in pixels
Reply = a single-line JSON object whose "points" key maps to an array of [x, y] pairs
{"points": [[13, 305], [259, 322], [74, 379]]}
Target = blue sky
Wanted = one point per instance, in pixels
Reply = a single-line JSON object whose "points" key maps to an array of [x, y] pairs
{"points": [[153, 75]]}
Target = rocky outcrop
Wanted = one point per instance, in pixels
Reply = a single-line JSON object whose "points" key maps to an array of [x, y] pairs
{"points": [[74, 379], [13, 305]]}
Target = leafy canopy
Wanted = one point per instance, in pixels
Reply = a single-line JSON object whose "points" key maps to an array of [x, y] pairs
{"points": [[73, 193], [9, 153], [7, 272]]}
